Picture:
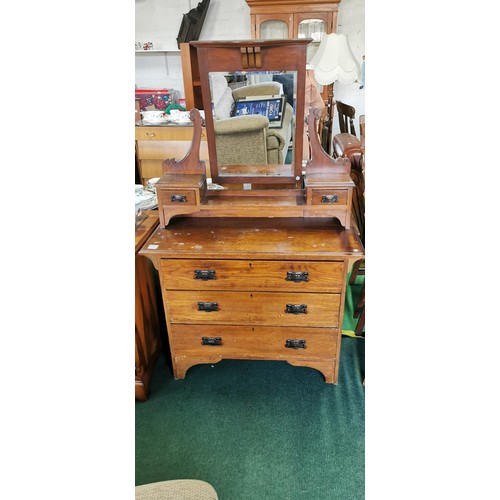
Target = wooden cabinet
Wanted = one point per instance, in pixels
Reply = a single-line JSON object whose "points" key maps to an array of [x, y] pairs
{"points": [[147, 319], [268, 16], [258, 289], [191, 77], [157, 143], [271, 19]]}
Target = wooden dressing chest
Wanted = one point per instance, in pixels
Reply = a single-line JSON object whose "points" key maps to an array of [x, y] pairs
{"points": [[254, 288], [257, 269]]}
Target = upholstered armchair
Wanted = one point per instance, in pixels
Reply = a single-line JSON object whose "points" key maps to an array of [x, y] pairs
{"points": [[248, 139]]}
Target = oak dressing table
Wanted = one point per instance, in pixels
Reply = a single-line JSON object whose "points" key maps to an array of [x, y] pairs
{"points": [[257, 272]]}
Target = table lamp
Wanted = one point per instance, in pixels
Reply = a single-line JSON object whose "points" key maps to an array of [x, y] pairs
{"points": [[334, 62]]}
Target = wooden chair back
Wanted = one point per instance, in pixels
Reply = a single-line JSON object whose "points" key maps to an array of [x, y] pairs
{"points": [[346, 118]]}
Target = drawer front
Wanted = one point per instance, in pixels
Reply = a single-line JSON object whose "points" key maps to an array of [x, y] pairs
{"points": [[166, 134], [160, 150], [254, 342], [177, 197], [329, 197], [180, 274], [253, 308]]}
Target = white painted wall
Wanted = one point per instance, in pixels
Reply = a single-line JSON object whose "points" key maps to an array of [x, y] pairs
{"points": [[158, 21]]}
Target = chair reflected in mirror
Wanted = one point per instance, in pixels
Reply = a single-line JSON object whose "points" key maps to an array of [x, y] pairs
{"points": [[243, 137]]}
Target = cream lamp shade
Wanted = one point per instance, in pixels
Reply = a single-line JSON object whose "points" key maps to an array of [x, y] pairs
{"points": [[334, 61]]}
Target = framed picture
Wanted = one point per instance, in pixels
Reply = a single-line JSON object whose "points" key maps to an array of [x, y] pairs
{"points": [[273, 107]]}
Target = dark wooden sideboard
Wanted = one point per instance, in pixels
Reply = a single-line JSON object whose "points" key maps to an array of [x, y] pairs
{"points": [[253, 288], [147, 317]]}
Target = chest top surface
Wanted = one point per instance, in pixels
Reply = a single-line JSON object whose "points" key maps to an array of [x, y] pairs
{"points": [[254, 238], [145, 227]]}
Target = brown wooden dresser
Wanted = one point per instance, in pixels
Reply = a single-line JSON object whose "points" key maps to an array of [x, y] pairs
{"points": [[147, 319], [253, 288]]}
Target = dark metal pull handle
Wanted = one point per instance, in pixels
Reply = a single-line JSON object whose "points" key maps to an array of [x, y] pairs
{"points": [[211, 340], [208, 306], [295, 344], [297, 276], [329, 198], [296, 308], [178, 198], [202, 274]]}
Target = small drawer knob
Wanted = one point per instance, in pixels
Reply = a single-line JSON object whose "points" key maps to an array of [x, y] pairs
{"points": [[204, 274], [297, 276], [296, 309], [295, 344], [211, 340], [208, 306], [329, 198], [178, 198]]}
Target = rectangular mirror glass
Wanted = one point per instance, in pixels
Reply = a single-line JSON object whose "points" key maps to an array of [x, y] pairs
{"points": [[254, 121], [253, 97]]}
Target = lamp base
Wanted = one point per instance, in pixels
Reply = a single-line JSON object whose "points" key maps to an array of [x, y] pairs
{"points": [[327, 127]]}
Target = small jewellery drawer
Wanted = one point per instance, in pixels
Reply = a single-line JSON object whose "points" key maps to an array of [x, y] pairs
{"points": [[286, 276], [254, 342], [254, 308], [179, 196], [329, 197]]}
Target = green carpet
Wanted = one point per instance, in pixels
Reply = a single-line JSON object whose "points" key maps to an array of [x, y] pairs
{"points": [[349, 322], [257, 430]]}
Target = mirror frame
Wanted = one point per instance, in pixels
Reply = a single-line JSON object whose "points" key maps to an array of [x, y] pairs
{"points": [[254, 55]]}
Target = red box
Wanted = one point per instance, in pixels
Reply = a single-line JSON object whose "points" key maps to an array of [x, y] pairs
{"points": [[150, 99]]}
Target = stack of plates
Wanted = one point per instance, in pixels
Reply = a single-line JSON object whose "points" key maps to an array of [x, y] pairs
{"points": [[154, 117], [159, 121], [145, 198]]}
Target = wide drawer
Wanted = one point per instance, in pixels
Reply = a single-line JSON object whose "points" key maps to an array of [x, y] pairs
{"points": [[172, 133], [286, 276], [160, 150], [253, 308], [246, 342]]}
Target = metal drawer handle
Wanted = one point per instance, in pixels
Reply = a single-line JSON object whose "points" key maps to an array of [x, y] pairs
{"points": [[211, 340], [208, 306], [150, 134], [329, 198], [204, 274], [295, 344], [297, 276], [296, 308], [178, 198]]}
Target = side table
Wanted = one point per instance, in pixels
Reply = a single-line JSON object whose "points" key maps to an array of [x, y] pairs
{"points": [[147, 293]]}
